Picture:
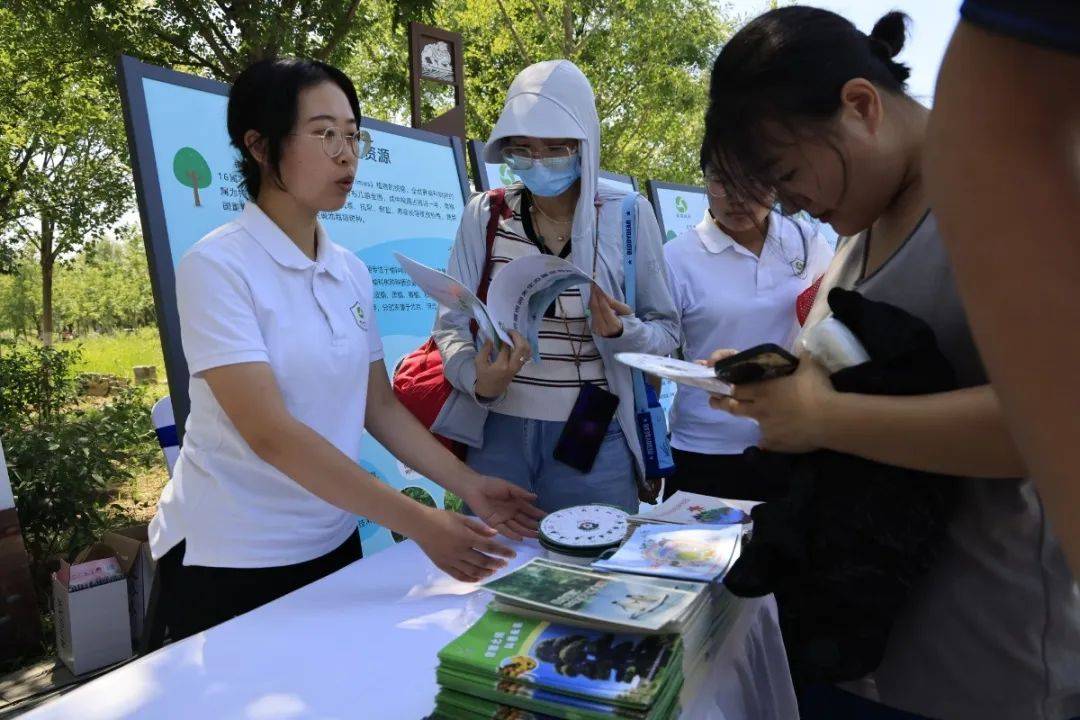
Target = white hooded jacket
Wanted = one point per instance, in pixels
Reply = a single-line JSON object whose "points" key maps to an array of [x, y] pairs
{"points": [[554, 99]]}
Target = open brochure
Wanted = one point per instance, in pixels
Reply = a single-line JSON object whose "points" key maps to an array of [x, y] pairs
{"points": [[563, 591], [687, 508], [690, 552], [680, 371], [517, 298]]}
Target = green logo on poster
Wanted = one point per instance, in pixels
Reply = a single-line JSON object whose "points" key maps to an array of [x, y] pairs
{"points": [[191, 170], [680, 204], [507, 175]]}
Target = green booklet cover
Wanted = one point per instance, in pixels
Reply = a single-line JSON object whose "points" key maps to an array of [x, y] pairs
{"points": [[453, 705], [538, 701], [456, 705], [626, 669]]}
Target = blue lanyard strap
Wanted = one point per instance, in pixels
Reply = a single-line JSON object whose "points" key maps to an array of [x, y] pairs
{"points": [[629, 228]]}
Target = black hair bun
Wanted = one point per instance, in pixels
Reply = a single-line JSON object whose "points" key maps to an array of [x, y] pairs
{"points": [[891, 32]]}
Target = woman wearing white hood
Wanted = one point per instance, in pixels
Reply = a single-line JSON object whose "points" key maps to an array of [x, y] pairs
{"points": [[512, 413]]}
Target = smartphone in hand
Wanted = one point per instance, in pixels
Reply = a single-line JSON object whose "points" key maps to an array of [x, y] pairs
{"points": [[762, 362]]}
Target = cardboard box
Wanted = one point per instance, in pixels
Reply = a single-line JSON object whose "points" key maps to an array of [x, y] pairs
{"points": [[132, 548], [93, 626]]}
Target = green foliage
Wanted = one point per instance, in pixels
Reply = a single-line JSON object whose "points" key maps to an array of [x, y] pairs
{"points": [[117, 353], [63, 177], [453, 503], [421, 496], [64, 457], [103, 290], [648, 62], [220, 39]]}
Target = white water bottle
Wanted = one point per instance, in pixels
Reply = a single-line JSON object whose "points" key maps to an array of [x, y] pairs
{"points": [[833, 345]]}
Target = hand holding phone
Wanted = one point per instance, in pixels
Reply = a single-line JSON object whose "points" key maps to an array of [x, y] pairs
{"points": [[762, 362]]}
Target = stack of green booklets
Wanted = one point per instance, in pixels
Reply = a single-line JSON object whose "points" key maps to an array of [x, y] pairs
{"points": [[618, 639], [509, 667]]}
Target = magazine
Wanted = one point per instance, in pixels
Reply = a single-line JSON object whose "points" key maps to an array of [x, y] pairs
{"points": [[686, 508], [616, 669], [690, 552], [517, 298]]}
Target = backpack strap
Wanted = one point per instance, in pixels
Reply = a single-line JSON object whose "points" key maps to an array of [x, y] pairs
{"points": [[498, 209]]}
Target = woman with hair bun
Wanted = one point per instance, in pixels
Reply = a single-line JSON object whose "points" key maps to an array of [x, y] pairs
{"points": [[804, 104]]}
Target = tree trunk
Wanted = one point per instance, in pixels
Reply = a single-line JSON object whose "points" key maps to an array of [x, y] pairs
{"points": [[195, 186], [47, 260]]}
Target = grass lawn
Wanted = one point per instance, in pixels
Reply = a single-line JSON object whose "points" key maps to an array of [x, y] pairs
{"points": [[118, 353]]}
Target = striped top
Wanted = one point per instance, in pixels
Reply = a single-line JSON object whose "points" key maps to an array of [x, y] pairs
{"points": [[548, 389]]}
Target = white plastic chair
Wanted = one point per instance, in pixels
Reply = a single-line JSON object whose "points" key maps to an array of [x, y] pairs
{"points": [[165, 427]]}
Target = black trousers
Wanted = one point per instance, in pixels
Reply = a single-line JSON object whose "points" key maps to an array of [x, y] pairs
{"points": [[723, 476], [187, 599]]}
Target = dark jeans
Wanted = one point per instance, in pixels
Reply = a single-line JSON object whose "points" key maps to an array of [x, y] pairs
{"points": [[188, 599], [722, 476]]}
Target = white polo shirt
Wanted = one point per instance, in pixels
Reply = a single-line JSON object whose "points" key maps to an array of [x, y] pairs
{"points": [[727, 297], [246, 293]]}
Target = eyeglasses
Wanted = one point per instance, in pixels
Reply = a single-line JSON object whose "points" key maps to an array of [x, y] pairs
{"points": [[556, 157], [716, 188], [334, 141]]}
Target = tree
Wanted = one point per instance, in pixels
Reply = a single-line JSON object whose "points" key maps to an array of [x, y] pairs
{"points": [[64, 176], [648, 61], [191, 169], [219, 39]]}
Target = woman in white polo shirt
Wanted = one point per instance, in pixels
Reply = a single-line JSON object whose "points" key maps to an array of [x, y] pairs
{"points": [[735, 278], [287, 371]]}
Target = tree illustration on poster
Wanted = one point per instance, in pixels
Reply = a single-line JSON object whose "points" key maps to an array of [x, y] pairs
{"points": [[192, 170]]}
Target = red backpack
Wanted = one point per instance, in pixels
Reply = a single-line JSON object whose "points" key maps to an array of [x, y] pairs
{"points": [[419, 382]]}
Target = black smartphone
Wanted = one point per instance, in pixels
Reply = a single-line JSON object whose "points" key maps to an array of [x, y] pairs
{"points": [[762, 362], [586, 427]]}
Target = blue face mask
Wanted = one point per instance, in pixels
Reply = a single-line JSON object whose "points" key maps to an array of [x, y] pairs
{"points": [[547, 181]]}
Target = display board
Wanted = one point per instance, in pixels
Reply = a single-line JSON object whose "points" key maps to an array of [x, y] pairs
{"points": [[678, 207], [408, 197]]}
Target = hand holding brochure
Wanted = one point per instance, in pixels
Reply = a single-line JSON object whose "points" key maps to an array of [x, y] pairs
{"points": [[682, 372], [517, 298]]}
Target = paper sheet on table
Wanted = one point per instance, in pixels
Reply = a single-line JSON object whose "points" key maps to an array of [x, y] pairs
{"points": [[525, 288], [451, 294], [680, 371]]}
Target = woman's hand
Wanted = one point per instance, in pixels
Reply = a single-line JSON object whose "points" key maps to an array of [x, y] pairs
{"points": [[502, 505], [494, 376], [461, 546], [790, 410], [604, 312]]}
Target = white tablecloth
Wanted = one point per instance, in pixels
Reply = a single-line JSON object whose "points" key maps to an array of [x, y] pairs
{"points": [[361, 644]]}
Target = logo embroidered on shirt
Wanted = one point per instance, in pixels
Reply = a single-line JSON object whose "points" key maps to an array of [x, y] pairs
{"points": [[798, 266], [358, 316]]}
